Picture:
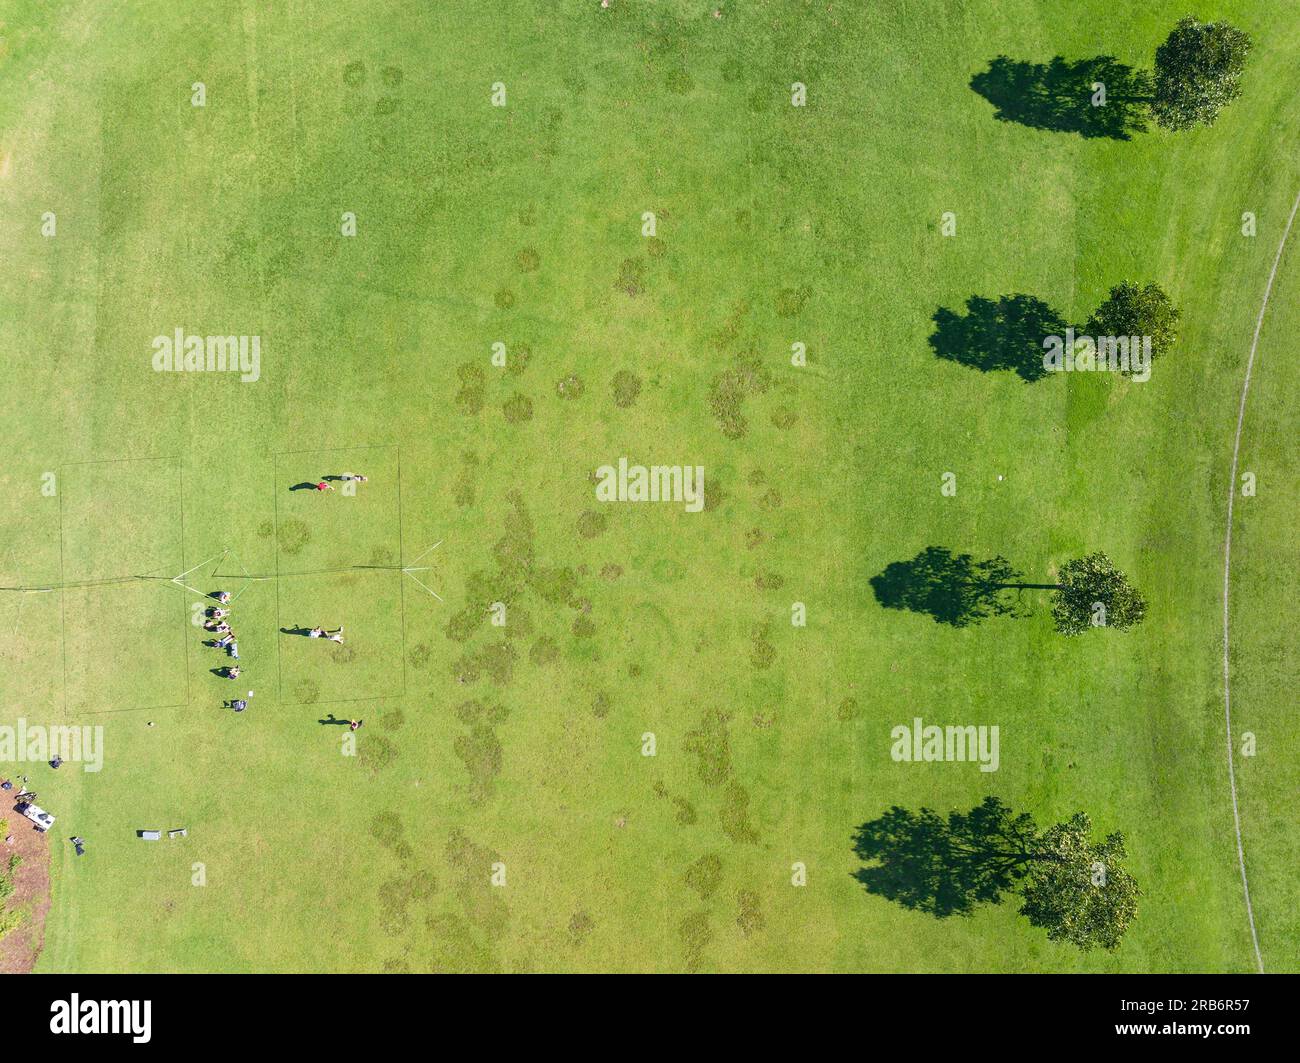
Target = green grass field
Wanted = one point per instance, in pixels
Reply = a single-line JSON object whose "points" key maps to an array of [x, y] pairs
{"points": [[523, 225]]}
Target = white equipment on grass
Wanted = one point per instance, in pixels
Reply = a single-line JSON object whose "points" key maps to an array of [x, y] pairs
{"points": [[43, 820]]}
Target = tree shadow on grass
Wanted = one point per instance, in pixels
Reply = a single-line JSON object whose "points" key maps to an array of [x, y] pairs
{"points": [[1058, 95], [945, 866], [1002, 333], [951, 588]]}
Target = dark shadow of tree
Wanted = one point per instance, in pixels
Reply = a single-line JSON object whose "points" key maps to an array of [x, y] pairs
{"points": [[1003, 333], [945, 866], [1058, 95], [952, 588]]}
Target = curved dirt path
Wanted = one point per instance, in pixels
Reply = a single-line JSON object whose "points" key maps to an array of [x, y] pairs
{"points": [[1227, 575]]}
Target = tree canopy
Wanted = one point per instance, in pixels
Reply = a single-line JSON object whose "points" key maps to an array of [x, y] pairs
{"points": [[1092, 592], [1198, 70], [1132, 310], [1076, 889]]}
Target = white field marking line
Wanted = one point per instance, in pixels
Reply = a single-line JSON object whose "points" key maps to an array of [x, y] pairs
{"points": [[432, 548], [1227, 572], [247, 578], [200, 565], [19, 618], [177, 579], [411, 570], [422, 584]]}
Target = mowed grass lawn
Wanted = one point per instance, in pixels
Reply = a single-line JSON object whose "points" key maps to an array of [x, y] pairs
{"points": [[517, 750]]}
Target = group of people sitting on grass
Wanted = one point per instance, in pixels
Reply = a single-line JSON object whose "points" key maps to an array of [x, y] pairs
{"points": [[218, 623], [217, 617]]}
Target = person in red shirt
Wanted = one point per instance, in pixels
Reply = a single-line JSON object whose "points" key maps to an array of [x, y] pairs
{"points": [[323, 486]]}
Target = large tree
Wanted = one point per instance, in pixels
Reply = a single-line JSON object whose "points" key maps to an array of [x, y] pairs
{"points": [[1092, 592], [1076, 889], [1198, 70], [957, 589], [1133, 310]]}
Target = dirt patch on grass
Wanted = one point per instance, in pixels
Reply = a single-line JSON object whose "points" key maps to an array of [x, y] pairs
{"points": [[480, 752], [376, 753], [294, 535], [711, 745], [705, 875], [470, 397], [626, 387], [750, 920], [592, 523], [580, 926], [696, 933], [761, 652], [518, 409], [571, 387], [30, 900], [729, 389], [631, 276]]}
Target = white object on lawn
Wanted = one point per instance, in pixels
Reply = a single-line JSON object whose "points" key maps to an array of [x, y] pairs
{"points": [[42, 819]]}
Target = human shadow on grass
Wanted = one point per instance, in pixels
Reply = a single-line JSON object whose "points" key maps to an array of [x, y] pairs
{"points": [[332, 719], [952, 588], [304, 631], [1002, 333], [306, 485], [945, 866], [1065, 96]]}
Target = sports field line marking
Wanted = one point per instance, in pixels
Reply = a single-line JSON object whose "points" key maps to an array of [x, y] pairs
{"points": [[408, 568], [180, 505], [63, 605], [19, 618], [344, 701], [114, 461], [248, 579], [177, 580], [1227, 573], [401, 552], [336, 450], [275, 518], [181, 576], [422, 584], [130, 708]]}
